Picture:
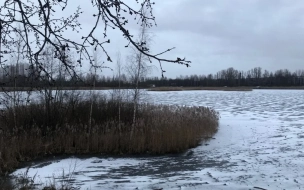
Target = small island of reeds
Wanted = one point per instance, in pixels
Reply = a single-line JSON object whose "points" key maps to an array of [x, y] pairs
{"points": [[77, 125]]}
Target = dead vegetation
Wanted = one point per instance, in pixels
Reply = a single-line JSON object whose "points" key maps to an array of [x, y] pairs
{"points": [[36, 130]]}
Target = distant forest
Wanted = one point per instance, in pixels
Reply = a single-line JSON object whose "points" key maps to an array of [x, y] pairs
{"points": [[230, 77]]}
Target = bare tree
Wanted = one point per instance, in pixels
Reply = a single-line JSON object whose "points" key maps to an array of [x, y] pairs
{"points": [[12, 72], [119, 91], [40, 25], [119, 68], [137, 69], [51, 92], [97, 65]]}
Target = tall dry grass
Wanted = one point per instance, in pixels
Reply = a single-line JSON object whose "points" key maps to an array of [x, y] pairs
{"points": [[63, 128]]}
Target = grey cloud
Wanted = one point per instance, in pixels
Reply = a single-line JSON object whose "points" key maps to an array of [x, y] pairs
{"points": [[258, 32]]}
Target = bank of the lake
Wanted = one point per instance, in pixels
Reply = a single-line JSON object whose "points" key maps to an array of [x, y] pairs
{"points": [[200, 88], [161, 88]]}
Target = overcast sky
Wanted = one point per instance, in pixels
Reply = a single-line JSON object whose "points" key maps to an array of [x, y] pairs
{"points": [[217, 34]]}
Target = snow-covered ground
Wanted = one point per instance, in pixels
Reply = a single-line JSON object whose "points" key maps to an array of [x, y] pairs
{"points": [[260, 144]]}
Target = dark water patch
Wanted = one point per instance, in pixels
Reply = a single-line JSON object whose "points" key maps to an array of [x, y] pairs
{"points": [[288, 119], [41, 165], [194, 184], [96, 167], [286, 149], [111, 176], [267, 162], [102, 183], [168, 167], [230, 165], [96, 161], [160, 167], [122, 181], [277, 136], [63, 180], [89, 171], [301, 136], [79, 184], [84, 181]]}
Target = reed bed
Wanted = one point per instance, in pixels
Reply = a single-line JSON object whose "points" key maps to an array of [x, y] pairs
{"points": [[37, 130]]}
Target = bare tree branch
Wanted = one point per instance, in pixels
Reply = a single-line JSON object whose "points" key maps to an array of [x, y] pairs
{"points": [[40, 27]]}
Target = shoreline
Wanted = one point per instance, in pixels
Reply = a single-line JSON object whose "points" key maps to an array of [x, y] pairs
{"points": [[163, 88], [223, 88]]}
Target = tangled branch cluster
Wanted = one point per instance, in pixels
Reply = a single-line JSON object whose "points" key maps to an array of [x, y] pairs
{"points": [[35, 21]]}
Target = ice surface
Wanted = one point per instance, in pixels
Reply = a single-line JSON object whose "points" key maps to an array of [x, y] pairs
{"points": [[259, 144]]}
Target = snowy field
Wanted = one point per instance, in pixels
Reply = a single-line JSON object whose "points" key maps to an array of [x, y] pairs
{"points": [[260, 144]]}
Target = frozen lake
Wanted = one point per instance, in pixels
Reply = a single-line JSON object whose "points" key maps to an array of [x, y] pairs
{"points": [[260, 144]]}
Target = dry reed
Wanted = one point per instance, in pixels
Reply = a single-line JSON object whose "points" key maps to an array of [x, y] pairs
{"points": [[63, 128]]}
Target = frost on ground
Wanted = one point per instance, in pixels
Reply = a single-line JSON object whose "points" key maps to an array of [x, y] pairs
{"points": [[259, 145]]}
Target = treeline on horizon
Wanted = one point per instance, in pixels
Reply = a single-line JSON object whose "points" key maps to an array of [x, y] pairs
{"points": [[228, 77]]}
